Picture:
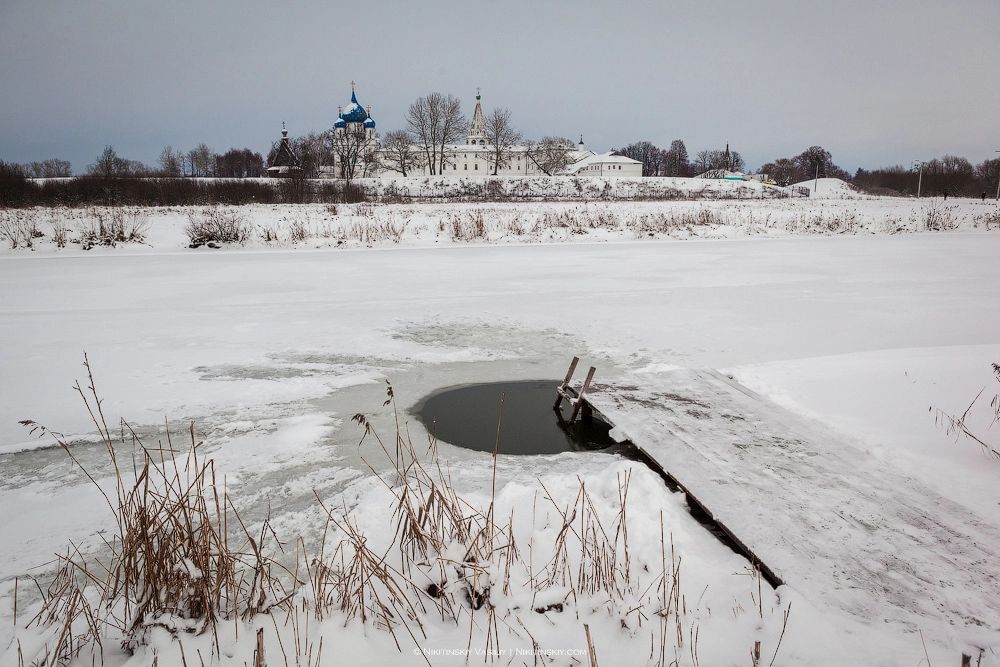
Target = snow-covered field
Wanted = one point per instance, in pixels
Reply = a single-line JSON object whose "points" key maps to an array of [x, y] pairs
{"points": [[845, 310], [835, 209]]}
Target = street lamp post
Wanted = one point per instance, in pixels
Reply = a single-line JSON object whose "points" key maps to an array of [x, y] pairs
{"points": [[998, 181]]}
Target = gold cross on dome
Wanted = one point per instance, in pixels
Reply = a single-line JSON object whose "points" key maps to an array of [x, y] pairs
{"points": [[477, 92], [352, 86]]}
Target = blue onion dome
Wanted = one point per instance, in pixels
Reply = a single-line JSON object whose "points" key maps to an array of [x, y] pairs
{"points": [[340, 122], [354, 112], [370, 123]]}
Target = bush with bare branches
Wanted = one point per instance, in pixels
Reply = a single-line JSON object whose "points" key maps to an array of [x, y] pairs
{"points": [[218, 224]]}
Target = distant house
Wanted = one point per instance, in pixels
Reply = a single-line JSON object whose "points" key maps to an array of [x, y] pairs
{"points": [[605, 165], [285, 164]]}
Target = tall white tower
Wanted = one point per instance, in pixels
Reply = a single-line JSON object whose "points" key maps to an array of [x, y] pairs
{"points": [[477, 131]]}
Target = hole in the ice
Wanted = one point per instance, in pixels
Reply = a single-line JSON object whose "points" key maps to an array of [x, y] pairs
{"points": [[467, 416]]}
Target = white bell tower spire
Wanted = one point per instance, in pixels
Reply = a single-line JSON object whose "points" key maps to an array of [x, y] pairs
{"points": [[477, 130]]}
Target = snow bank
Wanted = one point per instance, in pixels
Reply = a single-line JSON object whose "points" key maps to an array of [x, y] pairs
{"points": [[365, 225], [829, 188]]}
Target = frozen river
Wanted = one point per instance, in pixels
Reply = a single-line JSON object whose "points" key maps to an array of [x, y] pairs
{"points": [[271, 352]]}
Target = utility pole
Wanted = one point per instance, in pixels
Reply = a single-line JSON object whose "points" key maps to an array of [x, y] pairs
{"points": [[998, 181], [920, 178], [816, 184]]}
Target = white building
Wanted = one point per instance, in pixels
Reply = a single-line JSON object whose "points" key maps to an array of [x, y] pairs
{"points": [[475, 157], [605, 165]]}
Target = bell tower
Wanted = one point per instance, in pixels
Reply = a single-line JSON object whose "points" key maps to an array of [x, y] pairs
{"points": [[477, 130]]}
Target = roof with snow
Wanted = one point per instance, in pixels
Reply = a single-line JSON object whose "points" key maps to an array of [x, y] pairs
{"points": [[600, 159], [354, 112], [285, 157]]}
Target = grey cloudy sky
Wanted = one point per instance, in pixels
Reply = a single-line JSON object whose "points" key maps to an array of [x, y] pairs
{"points": [[874, 82]]}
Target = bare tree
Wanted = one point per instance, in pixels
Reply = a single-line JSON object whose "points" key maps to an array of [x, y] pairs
{"points": [[718, 161], [53, 168], [501, 138], [551, 154], [651, 157], [782, 171], [988, 171], [109, 165], [434, 122], [676, 159], [237, 163], [816, 160], [201, 159], [399, 153], [313, 150], [171, 162], [355, 151]]}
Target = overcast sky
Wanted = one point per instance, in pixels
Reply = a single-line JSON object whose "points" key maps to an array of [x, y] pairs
{"points": [[874, 82]]}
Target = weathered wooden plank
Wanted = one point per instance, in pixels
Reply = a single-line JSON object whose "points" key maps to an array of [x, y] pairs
{"points": [[841, 527]]}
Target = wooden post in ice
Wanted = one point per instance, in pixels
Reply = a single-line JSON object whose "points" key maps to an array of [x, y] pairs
{"points": [[575, 399], [565, 384], [578, 403]]}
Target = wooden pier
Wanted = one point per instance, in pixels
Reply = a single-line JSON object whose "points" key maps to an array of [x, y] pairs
{"points": [[821, 515]]}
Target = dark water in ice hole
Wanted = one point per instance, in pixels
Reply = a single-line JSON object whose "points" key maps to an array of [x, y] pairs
{"points": [[467, 416]]}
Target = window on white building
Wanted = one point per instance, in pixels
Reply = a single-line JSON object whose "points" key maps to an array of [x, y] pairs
{"points": [[477, 165], [466, 167]]}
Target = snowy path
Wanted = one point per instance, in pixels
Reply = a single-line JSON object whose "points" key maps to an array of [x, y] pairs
{"points": [[830, 520]]}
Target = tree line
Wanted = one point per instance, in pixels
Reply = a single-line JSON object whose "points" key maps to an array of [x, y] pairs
{"points": [[949, 174], [436, 121], [946, 175], [674, 161]]}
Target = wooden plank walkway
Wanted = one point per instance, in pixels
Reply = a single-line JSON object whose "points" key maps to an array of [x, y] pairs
{"points": [[828, 519]]}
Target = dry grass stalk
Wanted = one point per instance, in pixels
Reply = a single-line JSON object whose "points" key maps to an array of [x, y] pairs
{"points": [[591, 651], [957, 424], [170, 563]]}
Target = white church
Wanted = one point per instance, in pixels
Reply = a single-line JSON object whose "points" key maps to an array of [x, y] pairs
{"points": [[473, 158]]}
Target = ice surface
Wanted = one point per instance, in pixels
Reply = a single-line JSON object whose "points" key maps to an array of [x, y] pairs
{"points": [[272, 350]]}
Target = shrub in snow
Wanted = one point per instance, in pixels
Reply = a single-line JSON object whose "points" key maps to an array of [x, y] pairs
{"points": [[19, 228], [114, 225], [218, 225]]}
